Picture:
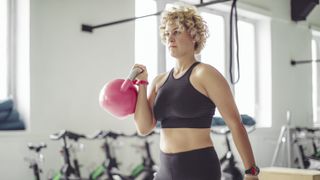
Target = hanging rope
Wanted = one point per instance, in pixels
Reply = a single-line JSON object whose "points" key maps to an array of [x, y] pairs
{"points": [[234, 24]]}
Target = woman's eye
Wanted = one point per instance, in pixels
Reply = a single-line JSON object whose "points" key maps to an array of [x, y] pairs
{"points": [[174, 33], [177, 32]]}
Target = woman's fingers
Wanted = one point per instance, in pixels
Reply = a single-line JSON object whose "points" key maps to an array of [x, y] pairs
{"points": [[142, 67], [144, 74]]}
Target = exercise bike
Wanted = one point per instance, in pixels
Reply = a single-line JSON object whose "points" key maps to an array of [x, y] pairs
{"points": [[70, 170], [229, 169], [34, 163], [147, 168], [109, 168]]}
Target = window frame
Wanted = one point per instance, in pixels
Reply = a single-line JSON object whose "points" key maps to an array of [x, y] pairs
{"points": [[316, 105], [5, 31], [11, 48]]}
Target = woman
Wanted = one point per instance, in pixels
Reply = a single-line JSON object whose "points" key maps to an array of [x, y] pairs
{"points": [[184, 101]]}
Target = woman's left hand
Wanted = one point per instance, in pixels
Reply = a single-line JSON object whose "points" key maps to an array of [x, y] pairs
{"points": [[249, 177]]}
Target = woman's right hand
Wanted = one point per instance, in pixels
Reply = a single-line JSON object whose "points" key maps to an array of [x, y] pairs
{"points": [[144, 74]]}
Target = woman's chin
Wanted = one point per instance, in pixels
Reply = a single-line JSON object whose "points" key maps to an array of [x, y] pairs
{"points": [[173, 54]]}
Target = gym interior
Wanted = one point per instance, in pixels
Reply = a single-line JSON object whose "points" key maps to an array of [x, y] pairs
{"points": [[56, 56]]}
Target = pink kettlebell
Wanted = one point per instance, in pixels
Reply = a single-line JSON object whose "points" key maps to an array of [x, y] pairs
{"points": [[118, 97]]}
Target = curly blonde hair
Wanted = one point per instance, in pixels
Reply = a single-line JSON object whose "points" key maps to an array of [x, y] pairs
{"points": [[187, 18]]}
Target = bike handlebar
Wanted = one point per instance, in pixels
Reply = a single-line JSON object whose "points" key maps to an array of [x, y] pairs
{"points": [[36, 147], [64, 133], [101, 134]]}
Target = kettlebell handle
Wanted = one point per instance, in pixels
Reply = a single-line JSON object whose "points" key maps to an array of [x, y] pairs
{"points": [[128, 82]]}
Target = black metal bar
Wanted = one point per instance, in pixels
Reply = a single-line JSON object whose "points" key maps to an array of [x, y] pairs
{"points": [[294, 62], [90, 28], [211, 2]]}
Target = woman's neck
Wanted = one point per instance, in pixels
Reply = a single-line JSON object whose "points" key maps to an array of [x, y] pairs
{"points": [[183, 64]]}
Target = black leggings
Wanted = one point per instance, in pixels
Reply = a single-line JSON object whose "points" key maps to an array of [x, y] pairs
{"points": [[199, 164]]}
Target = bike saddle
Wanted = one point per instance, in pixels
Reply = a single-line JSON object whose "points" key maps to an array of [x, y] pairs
{"points": [[68, 134], [36, 147]]}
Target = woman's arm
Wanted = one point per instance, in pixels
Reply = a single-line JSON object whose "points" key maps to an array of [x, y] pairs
{"points": [[219, 92], [143, 115]]}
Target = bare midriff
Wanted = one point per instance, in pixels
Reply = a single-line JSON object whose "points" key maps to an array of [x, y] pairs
{"points": [[174, 140]]}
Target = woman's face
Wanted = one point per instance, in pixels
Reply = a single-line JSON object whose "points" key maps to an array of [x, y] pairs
{"points": [[179, 42]]}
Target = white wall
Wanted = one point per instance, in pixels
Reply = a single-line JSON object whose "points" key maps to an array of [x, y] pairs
{"points": [[67, 70], [68, 67]]}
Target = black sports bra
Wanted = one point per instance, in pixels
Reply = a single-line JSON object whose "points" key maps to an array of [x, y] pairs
{"points": [[179, 105]]}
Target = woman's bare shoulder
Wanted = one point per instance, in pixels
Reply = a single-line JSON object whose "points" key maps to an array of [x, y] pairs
{"points": [[204, 70]]}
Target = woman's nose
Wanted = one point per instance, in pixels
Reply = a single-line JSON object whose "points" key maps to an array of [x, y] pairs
{"points": [[171, 38]]}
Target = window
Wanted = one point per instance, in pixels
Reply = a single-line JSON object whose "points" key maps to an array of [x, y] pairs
{"points": [[146, 37], [315, 49], [14, 63], [244, 90], [4, 50], [214, 51]]}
